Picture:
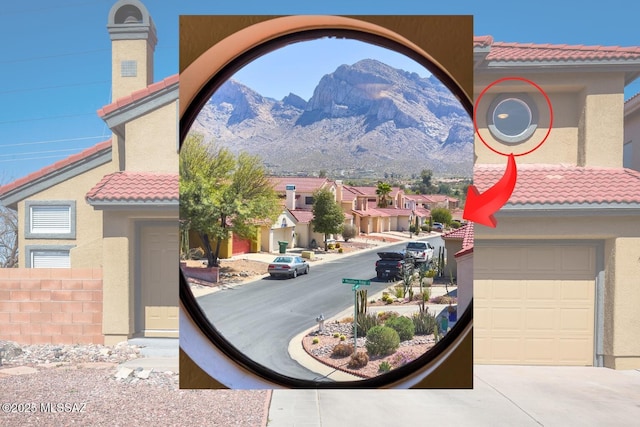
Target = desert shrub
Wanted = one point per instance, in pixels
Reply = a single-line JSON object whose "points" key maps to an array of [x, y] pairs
{"points": [[382, 340], [455, 224], [425, 227], [340, 250], [348, 232], [358, 360], [342, 338], [336, 334], [400, 359], [403, 326], [384, 366], [443, 299], [348, 319], [331, 246], [399, 291], [424, 323], [366, 321], [337, 245], [196, 253], [384, 315], [342, 350], [316, 341]]}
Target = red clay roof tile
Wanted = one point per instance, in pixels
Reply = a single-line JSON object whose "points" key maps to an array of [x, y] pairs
{"points": [[137, 95], [464, 233], [510, 52], [135, 187], [556, 184], [105, 145]]}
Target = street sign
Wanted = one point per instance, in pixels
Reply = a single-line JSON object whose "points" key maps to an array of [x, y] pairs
{"points": [[359, 282]]}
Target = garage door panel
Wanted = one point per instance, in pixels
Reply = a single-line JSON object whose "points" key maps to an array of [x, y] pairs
{"points": [[542, 315], [540, 319]]}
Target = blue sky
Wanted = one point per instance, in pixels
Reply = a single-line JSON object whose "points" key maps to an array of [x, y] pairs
{"points": [[55, 62]]}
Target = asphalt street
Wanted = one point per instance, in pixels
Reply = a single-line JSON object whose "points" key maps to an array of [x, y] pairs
{"points": [[260, 318]]}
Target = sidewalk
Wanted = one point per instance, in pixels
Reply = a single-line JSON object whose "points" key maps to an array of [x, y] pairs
{"points": [[502, 396]]}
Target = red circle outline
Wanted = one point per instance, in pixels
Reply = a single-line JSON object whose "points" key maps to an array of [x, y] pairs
{"points": [[546, 97]]}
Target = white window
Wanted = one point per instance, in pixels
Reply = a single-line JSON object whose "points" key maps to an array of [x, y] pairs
{"points": [[50, 259], [50, 220], [512, 118]]}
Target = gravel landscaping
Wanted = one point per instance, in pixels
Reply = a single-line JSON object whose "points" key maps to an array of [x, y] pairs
{"points": [[78, 385]]}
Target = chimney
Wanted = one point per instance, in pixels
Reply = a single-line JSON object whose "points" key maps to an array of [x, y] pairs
{"points": [[339, 190], [291, 197]]}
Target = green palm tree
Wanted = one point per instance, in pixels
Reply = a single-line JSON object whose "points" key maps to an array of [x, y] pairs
{"points": [[383, 192]]}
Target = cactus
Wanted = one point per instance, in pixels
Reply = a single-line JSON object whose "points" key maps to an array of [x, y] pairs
{"points": [[362, 305]]}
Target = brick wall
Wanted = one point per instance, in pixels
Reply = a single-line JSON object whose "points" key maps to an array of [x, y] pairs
{"points": [[51, 305]]}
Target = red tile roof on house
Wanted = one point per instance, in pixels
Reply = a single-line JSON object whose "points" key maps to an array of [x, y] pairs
{"points": [[126, 187], [511, 52], [137, 95], [464, 233], [303, 184], [41, 173], [303, 216], [556, 184]]}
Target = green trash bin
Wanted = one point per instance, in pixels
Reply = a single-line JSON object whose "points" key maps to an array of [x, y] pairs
{"points": [[283, 246]]}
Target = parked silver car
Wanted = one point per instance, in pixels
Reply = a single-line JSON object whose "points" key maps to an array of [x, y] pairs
{"points": [[289, 266]]}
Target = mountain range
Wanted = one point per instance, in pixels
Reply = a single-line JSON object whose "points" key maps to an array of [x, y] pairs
{"points": [[365, 119]]}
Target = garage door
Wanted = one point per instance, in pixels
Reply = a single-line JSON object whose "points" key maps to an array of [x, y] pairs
{"points": [[534, 304], [159, 273]]}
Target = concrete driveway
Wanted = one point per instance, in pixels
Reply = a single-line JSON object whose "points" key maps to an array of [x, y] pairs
{"points": [[502, 396]]}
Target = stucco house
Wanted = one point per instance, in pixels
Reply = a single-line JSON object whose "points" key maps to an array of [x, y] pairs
{"points": [[459, 262], [631, 147], [556, 282], [114, 206]]}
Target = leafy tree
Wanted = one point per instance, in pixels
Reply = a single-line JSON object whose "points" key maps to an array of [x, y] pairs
{"points": [[220, 194], [322, 173], [441, 215], [8, 238], [327, 214], [383, 190]]}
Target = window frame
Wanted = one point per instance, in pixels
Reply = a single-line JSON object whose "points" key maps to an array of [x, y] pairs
{"points": [[523, 136], [70, 204], [31, 249]]}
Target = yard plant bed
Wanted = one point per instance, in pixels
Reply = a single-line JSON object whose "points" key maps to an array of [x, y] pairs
{"points": [[322, 351]]}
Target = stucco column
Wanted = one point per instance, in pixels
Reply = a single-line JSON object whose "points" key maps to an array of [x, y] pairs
{"points": [[117, 324], [601, 124], [622, 295]]}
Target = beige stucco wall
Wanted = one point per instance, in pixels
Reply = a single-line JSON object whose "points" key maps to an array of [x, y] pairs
{"points": [[587, 119], [126, 50], [464, 281], [453, 247], [119, 272], [622, 294], [152, 141], [632, 135], [87, 252]]}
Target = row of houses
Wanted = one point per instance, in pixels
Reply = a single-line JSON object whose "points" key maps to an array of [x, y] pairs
{"points": [[361, 209]]}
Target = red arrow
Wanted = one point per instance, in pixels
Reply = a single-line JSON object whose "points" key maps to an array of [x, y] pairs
{"points": [[481, 207]]}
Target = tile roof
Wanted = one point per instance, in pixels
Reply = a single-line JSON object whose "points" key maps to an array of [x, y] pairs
{"points": [[303, 184], [126, 187], [41, 173], [558, 184], [464, 233], [137, 95], [303, 216], [508, 51]]}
